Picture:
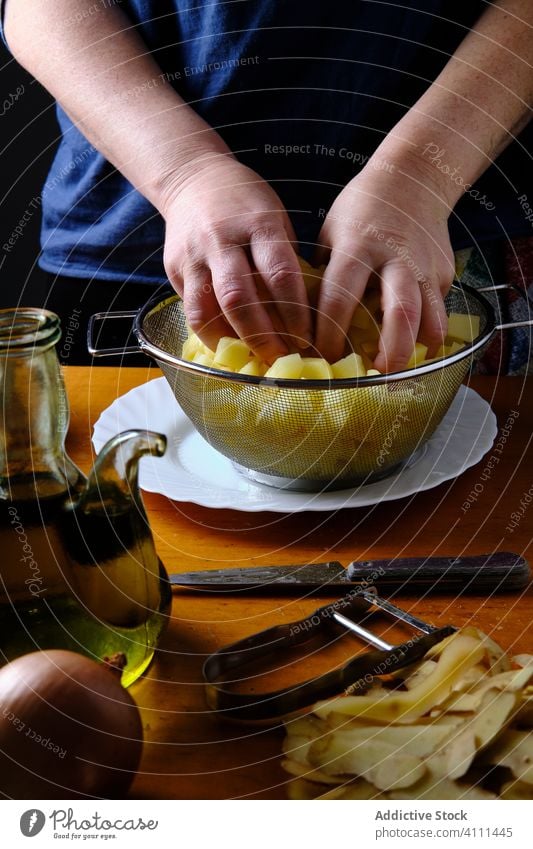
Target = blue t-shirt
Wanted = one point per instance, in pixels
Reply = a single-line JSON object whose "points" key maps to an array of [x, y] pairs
{"points": [[302, 92]]}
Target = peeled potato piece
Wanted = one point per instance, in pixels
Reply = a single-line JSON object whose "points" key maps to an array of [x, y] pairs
{"points": [[234, 356], [289, 367], [194, 345], [232, 353], [253, 367], [203, 359], [463, 327], [363, 337], [312, 278], [350, 366], [294, 415], [418, 356], [316, 368]]}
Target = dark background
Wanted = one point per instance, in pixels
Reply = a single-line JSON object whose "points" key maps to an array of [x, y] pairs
{"points": [[28, 137]]}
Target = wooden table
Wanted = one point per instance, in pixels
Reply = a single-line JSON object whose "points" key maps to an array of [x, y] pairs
{"points": [[189, 752]]}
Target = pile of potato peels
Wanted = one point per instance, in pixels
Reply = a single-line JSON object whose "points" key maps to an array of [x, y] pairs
{"points": [[457, 725]]}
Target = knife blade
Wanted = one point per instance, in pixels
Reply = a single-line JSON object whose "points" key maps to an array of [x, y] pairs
{"points": [[498, 572]]}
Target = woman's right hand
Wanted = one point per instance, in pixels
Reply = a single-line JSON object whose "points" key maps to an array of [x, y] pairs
{"points": [[228, 251], [223, 222]]}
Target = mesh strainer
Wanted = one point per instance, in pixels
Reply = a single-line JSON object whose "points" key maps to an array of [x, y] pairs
{"points": [[308, 434]]}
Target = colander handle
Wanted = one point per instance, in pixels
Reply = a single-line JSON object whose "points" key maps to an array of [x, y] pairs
{"points": [[107, 352], [510, 325]]}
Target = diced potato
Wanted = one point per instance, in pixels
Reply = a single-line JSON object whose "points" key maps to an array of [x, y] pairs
{"points": [[194, 345], [306, 267], [189, 349], [312, 279], [358, 335], [350, 366], [361, 318], [253, 367], [289, 367], [316, 368], [339, 413], [290, 416], [232, 353], [447, 350], [203, 359], [370, 348], [222, 413], [463, 328], [418, 356]]}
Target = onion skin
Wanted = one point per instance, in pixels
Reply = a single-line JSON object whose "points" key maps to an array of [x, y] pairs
{"points": [[68, 729]]}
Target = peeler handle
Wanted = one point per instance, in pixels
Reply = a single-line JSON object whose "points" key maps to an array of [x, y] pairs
{"points": [[502, 570], [92, 345], [226, 667]]}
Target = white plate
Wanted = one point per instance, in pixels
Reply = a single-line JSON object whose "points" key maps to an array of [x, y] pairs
{"points": [[192, 470]]}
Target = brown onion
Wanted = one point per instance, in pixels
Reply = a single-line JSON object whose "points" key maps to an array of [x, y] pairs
{"points": [[68, 729]]}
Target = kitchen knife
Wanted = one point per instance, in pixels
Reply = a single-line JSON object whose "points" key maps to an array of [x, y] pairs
{"points": [[501, 571]]}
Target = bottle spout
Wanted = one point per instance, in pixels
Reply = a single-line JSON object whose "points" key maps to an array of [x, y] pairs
{"points": [[113, 482]]}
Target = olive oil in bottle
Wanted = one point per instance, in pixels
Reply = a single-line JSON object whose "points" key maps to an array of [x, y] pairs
{"points": [[78, 568]]}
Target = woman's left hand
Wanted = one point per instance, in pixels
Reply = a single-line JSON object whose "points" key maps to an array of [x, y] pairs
{"points": [[388, 225]]}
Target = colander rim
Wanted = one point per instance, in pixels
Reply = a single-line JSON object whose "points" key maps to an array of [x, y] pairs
{"points": [[157, 353]]}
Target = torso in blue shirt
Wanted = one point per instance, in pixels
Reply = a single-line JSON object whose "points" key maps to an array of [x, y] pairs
{"points": [[323, 80]]}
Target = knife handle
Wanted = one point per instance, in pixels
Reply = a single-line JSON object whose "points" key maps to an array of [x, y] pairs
{"points": [[502, 570]]}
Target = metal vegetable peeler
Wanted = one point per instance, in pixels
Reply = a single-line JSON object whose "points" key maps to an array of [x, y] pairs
{"points": [[348, 612]]}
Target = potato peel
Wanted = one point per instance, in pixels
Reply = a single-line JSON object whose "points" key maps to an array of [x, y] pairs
{"points": [[464, 710], [459, 655]]}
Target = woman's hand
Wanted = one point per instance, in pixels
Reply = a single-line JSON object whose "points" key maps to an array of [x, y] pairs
{"points": [[228, 251], [385, 226], [223, 223]]}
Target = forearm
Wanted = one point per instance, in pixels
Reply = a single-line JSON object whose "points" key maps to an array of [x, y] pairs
{"points": [[98, 68], [475, 107]]}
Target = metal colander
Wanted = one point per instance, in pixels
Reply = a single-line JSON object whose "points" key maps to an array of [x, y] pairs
{"points": [[309, 434]]}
